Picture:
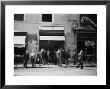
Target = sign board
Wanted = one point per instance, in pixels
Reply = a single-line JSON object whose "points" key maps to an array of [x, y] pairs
{"points": [[51, 28], [19, 39]]}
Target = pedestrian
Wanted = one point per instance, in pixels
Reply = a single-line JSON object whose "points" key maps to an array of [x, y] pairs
{"points": [[32, 56], [64, 56], [67, 57], [41, 61], [48, 58], [43, 57], [26, 58], [80, 59], [74, 56], [38, 57], [58, 53]]}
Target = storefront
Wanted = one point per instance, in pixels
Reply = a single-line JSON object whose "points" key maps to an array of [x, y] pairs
{"points": [[19, 46], [87, 41], [51, 37]]}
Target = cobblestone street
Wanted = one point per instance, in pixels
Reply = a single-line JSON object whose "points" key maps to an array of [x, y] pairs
{"points": [[54, 70]]}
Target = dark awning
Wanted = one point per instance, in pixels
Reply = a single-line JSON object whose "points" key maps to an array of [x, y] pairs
{"points": [[86, 33], [19, 45], [51, 32], [20, 33]]}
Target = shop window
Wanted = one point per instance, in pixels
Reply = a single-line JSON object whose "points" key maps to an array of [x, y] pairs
{"points": [[46, 17], [19, 17]]}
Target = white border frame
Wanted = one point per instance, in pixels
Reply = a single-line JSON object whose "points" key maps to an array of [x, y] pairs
{"points": [[100, 79]]}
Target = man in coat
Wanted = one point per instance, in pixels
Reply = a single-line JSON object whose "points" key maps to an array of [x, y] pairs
{"points": [[32, 56], [26, 58], [80, 59]]}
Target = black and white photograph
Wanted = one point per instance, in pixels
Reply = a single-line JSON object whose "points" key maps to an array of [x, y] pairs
{"points": [[55, 44]]}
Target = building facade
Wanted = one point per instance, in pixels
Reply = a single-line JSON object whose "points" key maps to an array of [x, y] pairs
{"points": [[48, 30], [51, 31]]}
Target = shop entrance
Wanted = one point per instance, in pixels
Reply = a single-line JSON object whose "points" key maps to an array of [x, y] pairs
{"points": [[51, 44], [51, 39], [87, 41]]}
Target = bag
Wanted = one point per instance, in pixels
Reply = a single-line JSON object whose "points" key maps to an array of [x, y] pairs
{"points": [[38, 59]]}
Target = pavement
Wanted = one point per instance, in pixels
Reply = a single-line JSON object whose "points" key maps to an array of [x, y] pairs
{"points": [[55, 70], [50, 66]]}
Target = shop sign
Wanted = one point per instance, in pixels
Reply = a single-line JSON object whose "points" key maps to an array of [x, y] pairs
{"points": [[51, 28]]}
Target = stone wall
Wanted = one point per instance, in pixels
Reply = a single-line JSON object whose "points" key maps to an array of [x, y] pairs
{"points": [[33, 21], [71, 35]]}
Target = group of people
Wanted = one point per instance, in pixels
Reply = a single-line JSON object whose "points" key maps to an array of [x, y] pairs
{"points": [[62, 56], [50, 57]]}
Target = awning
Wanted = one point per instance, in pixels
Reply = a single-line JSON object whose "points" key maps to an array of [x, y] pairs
{"points": [[51, 32], [19, 40], [19, 45], [57, 38]]}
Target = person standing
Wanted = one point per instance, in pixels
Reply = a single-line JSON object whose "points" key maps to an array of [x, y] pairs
{"points": [[67, 57], [43, 57], [74, 56], [47, 56], [62, 57], [38, 57], [59, 62], [32, 56], [26, 58], [80, 59]]}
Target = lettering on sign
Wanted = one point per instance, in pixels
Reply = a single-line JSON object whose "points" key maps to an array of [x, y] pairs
{"points": [[50, 28]]}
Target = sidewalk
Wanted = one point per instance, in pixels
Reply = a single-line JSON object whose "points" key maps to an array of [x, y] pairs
{"points": [[54, 70], [52, 66]]}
